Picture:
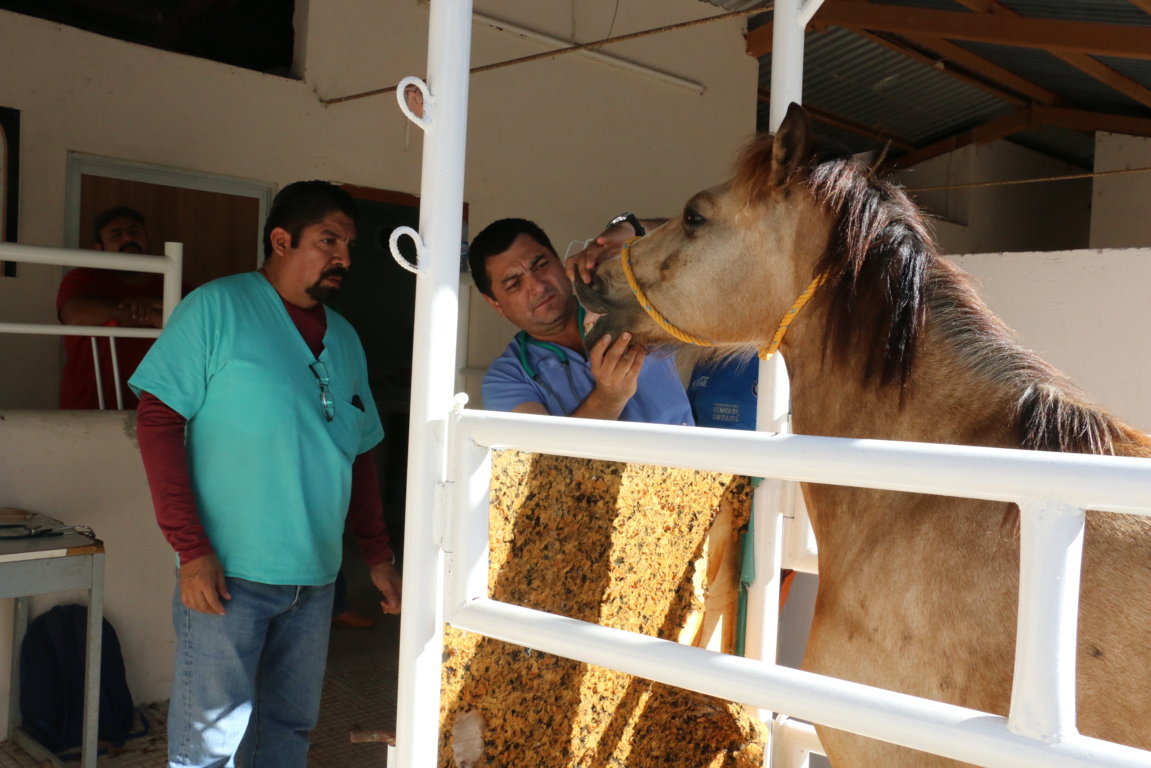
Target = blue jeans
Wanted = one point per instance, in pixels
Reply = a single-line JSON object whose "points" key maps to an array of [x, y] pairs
{"points": [[253, 675]]}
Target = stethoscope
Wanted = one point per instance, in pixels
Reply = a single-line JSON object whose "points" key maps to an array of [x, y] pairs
{"points": [[523, 339], [522, 342]]}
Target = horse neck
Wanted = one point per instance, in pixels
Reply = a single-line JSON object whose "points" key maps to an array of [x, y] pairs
{"points": [[944, 400]]}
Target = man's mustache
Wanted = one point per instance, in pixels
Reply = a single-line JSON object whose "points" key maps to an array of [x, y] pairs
{"points": [[337, 271], [136, 247]]}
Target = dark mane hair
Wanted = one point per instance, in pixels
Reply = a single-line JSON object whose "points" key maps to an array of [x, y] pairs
{"points": [[885, 277]]}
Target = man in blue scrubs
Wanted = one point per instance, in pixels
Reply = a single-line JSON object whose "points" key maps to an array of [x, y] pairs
{"points": [[256, 424], [545, 369]]}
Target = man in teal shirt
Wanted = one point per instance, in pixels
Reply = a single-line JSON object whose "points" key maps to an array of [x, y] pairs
{"points": [[256, 424]]}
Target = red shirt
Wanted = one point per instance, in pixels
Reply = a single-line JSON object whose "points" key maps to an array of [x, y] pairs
{"points": [[78, 382]]}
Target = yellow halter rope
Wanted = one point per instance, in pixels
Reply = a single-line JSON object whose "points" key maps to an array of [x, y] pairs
{"points": [[687, 338]]}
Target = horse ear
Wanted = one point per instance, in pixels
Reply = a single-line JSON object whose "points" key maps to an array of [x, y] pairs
{"points": [[790, 145]]}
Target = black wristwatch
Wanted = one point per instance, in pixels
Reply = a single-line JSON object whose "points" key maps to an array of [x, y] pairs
{"points": [[630, 218]]}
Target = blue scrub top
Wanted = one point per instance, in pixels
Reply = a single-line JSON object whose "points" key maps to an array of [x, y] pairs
{"points": [[561, 386], [271, 475]]}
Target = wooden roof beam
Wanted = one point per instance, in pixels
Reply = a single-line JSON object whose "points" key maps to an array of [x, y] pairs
{"points": [[1083, 120], [1007, 80], [1026, 32], [980, 134], [1084, 63], [948, 58], [1074, 119]]}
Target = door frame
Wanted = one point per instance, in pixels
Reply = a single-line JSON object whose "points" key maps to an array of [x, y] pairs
{"points": [[80, 164]]}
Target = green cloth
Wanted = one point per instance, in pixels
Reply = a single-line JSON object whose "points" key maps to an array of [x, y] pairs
{"points": [[271, 475]]}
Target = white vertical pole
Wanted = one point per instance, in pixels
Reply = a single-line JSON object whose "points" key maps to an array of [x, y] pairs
{"points": [[99, 379], [1050, 559], [786, 60], [772, 413], [113, 355], [433, 378], [774, 497], [173, 277]]}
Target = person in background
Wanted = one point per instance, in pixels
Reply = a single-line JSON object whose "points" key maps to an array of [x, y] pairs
{"points": [[545, 369], [112, 298], [256, 425]]}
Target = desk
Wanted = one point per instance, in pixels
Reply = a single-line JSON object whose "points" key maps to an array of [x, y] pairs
{"points": [[39, 566]]}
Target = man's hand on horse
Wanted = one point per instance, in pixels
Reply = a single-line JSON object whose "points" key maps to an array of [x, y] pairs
{"points": [[616, 364], [606, 245]]}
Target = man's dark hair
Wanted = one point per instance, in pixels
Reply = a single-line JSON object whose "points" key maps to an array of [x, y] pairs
{"points": [[302, 204], [496, 238], [102, 220]]}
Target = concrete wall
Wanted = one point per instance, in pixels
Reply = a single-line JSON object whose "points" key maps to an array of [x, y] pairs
{"points": [[1121, 204], [1083, 311]]}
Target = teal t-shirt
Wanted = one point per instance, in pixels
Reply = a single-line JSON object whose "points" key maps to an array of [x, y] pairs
{"points": [[271, 475]]}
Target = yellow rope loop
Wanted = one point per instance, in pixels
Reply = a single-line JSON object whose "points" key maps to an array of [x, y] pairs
{"points": [[687, 338], [790, 315], [652, 312]]}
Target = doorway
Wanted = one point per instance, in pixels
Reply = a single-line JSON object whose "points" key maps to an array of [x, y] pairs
{"points": [[219, 219], [378, 298]]}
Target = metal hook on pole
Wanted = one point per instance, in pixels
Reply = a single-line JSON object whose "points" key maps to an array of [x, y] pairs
{"points": [[418, 110], [394, 247]]}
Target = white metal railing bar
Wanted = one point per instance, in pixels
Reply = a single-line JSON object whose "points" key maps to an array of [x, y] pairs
{"points": [[1110, 483], [48, 329], [170, 265], [1051, 556], [1043, 694], [956, 732]]}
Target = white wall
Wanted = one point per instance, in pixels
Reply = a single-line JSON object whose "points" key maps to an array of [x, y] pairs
{"points": [[1083, 311], [1121, 204], [1050, 216], [568, 142]]}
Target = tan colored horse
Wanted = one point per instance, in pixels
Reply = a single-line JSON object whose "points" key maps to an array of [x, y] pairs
{"points": [[916, 593]]}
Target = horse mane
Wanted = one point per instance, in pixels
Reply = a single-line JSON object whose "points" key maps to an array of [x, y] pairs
{"points": [[885, 277]]}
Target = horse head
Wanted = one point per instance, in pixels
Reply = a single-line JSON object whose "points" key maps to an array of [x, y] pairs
{"points": [[726, 270]]}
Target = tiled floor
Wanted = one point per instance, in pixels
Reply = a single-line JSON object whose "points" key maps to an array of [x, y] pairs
{"points": [[359, 694]]}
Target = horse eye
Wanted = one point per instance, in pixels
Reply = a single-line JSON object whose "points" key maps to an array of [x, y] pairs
{"points": [[692, 218]]}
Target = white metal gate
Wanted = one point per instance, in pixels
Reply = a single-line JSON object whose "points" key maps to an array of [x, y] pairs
{"points": [[445, 572]]}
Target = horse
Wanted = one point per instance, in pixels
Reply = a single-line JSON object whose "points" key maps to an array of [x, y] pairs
{"points": [[917, 593]]}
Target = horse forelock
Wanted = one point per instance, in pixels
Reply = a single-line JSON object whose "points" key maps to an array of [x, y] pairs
{"points": [[752, 174]]}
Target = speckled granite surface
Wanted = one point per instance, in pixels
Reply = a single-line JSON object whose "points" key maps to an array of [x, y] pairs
{"points": [[624, 546]]}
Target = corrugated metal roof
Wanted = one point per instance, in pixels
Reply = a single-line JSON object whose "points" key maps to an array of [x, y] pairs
{"points": [[1098, 11], [861, 82]]}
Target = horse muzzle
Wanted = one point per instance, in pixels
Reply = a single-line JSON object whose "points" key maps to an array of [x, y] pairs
{"points": [[608, 296]]}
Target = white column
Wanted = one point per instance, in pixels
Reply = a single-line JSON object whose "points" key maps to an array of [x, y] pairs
{"points": [[773, 410], [433, 378]]}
